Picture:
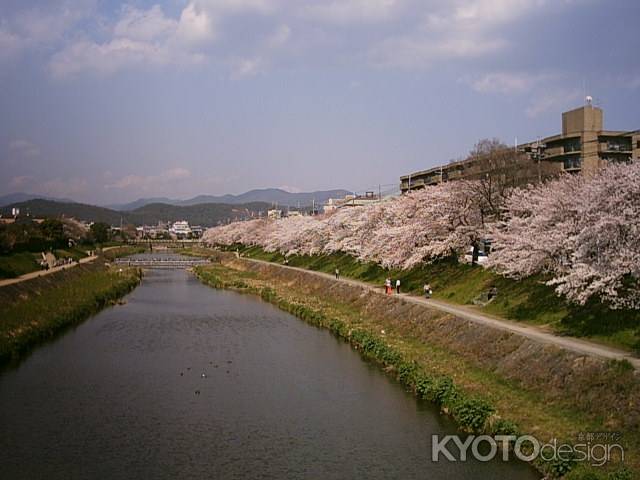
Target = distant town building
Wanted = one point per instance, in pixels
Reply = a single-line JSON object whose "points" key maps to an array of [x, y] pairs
{"points": [[15, 211], [180, 229], [583, 146], [274, 214], [351, 201]]}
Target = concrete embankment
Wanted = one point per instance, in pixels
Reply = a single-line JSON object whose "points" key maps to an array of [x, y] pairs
{"points": [[606, 391]]}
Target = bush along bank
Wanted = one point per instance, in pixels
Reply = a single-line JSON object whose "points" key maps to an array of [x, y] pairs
{"points": [[473, 413], [36, 310]]}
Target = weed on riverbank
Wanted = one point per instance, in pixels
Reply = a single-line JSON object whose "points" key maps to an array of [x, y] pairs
{"points": [[477, 399], [38, 309], [528, 300]]}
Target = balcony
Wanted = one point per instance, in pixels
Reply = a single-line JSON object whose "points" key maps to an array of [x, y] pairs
{"points": [[572, 164]]}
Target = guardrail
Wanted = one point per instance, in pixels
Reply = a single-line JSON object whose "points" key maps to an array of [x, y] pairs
{"points": [[161, 262]]}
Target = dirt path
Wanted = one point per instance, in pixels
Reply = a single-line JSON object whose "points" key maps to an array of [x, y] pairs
{"points": [[42, 273], [577, 345]]}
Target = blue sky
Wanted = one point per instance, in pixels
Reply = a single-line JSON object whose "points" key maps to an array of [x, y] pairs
{"points": [[104, 101]]}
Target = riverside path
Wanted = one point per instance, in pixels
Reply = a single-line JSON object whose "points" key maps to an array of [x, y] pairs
{"points": [[573, 344]]}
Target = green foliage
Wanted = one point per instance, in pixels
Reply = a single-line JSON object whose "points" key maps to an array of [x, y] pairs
{"points": [[623, 474], [33, 311], [100, 232], [504, 427], [206, 214], [473, 413], [527, 300], [17, 264]]}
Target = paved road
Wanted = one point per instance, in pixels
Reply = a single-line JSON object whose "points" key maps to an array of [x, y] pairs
{"points": [[577, 345]]}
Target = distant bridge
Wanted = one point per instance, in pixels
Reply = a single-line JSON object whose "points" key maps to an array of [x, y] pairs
{"points": [[162, 262], [147, 241]]}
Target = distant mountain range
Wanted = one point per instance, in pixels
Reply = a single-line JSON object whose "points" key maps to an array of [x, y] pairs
{"points": [[24, 197], [267, 195], [205, 214]]}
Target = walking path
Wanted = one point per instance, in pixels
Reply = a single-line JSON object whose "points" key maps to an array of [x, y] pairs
{"points": [[576, 345], [42, 273]]}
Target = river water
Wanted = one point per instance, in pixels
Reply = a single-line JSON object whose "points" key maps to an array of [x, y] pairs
{"points": [[184, 381]]}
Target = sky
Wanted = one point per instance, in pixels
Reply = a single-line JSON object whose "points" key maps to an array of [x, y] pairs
{"points": [[106, 102]]}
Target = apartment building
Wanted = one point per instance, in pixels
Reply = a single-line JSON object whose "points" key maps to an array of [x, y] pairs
{"points": [[582, 146]]}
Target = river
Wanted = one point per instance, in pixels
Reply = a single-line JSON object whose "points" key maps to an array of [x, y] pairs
{"points": [[183, 381]]}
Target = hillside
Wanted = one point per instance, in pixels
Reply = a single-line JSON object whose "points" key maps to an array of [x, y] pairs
{"points": [[24, 197], [206, 214], [267, 195], [201, 214]]}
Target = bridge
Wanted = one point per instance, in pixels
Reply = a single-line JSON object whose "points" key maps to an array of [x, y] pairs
{"points": [[161, 262]]}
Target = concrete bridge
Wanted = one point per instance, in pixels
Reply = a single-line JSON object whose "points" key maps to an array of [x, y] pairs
{"points": [[160, 262]]}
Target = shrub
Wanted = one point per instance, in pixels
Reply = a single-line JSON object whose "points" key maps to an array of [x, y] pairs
{"points": [[473, 413]]}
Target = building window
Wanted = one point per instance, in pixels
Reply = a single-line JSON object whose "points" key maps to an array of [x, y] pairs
{"points": [[619, 144], [572, 145], [572, 163]]}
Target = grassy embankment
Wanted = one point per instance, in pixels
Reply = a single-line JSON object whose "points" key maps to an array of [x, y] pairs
{"points": [[36, 310], [528, 300], [16, 264], [479, 400]]}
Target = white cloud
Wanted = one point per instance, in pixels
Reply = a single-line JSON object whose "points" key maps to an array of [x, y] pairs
{"points": [[63, 187], [341, 12], [247, 67], [239, 6], [148, 182], [20, 181], [10, 44], [144, 25], [141, 38], [24, 148], [195, 25], [461, 29], [552, 100], [279, 37], [508, 82]]}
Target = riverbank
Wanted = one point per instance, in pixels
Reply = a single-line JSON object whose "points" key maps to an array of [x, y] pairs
{"points": [[488, 381], [37, 309], [527, 301]]}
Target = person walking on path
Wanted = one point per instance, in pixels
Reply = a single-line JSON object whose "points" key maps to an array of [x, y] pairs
{"points": [[337, 274], [398, 286], [387, 286], [427, 290]]}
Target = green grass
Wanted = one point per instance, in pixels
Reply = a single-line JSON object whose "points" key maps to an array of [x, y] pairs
{"points": [[76, 253], [35, 310], [528, 300], [17, 264], [479, 400]]}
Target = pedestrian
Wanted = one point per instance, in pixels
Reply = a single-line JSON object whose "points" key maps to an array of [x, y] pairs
{"points": [[337, 274], [398, 286], [427, 290], [387, 286]]}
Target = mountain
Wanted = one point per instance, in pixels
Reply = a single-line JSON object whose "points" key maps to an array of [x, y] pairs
{"points": [[267, 195], [141, 202], [207, 214], [24, 197]]}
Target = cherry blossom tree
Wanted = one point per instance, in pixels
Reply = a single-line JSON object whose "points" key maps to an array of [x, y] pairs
{"points": [[583, 231]]}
